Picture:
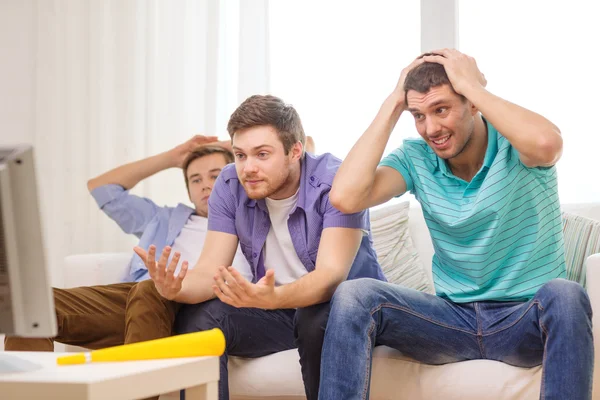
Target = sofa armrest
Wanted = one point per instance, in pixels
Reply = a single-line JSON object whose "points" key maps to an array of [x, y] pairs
{"points": [[95, 269], [593, 290]]}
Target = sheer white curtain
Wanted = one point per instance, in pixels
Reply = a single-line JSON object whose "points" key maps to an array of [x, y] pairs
{"points": [[539, 54], [113, 81], [336, 62]]}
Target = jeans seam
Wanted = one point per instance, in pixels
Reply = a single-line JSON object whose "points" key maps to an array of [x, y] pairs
{"points": [[479, 332], [543, 384], [517, 320], [366, 384], [408, 311], [540, 320]]}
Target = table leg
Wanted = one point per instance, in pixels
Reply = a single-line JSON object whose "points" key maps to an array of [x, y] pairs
{"points": [[207, 391]]}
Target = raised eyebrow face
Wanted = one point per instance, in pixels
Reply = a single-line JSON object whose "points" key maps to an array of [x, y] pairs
{"points": [[434, 105]]}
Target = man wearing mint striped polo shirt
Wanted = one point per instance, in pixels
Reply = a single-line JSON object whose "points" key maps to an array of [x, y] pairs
{"points": [[483, 171]]}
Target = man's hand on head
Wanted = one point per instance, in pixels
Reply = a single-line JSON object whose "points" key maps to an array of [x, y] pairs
{"points": [[226, 144], [461, 69], [182, 151], [167, 284], [399, 90], [233, 289]]}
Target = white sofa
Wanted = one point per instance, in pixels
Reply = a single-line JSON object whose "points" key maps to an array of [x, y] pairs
{"points": [[277, 376]]}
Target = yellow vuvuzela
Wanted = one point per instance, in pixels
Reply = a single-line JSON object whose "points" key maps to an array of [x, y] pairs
{"points": [[205, 343]]}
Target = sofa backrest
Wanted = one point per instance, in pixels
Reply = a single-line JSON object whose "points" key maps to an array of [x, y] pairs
{"points": [[588, 210]]}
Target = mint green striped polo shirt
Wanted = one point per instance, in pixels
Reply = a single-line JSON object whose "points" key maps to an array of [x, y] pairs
{"points": [[498, 237]]}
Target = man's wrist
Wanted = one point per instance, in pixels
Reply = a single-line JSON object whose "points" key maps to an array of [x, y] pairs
{"points": [[396, 100], [169, 159], [397, 97], [474, 92], [274, 302]]}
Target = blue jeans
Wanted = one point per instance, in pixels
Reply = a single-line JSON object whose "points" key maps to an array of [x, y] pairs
{"points": [[253, 332], [553, 329]]}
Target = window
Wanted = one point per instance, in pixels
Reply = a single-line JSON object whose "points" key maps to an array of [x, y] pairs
{"points": [[337, 61], [538, 54]]}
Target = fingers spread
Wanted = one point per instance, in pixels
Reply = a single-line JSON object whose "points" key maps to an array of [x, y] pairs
{"points": [[162, 263], [238, 278], [177, 283], [170, 272], [151, 261], [182, 271], [140, 252], [226, 283], [222, 297]]}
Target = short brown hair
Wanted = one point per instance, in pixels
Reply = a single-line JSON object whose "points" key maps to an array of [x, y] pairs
{"points": [[261, 110], [426, 76], [204, 151]]}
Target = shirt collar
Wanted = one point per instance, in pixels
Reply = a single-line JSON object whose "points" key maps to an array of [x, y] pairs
{"points": [[492, 147]]}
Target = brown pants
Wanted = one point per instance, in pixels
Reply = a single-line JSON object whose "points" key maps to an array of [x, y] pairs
{"points": [[102, 316]]}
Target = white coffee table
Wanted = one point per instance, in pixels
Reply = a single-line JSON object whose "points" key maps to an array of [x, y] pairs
{"points": [[119, 380]]}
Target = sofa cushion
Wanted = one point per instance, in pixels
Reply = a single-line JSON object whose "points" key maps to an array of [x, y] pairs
{"points": [[396, 253], [394, 376], [582, 239]]}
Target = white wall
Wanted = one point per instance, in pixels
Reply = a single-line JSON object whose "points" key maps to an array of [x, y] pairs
{"points": [[17, 71], [95, 84]]}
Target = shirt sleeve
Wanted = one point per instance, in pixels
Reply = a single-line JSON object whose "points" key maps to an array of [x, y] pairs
{"points": [[398, 160], [221, 208], [334, 218], [541, 171], [132, 213]]}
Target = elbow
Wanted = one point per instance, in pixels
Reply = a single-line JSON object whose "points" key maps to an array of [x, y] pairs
{"points": [[92, 184], [343, 202], [550, 149]]}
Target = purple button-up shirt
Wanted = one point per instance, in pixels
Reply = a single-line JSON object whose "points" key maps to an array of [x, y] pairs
{"points": [[231, 211]]}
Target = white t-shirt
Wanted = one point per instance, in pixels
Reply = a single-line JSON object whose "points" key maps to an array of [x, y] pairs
{"points": [[191, 240], [280, 254]]}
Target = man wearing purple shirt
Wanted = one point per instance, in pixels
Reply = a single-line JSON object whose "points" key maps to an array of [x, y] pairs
{"points": [[275, 202]]}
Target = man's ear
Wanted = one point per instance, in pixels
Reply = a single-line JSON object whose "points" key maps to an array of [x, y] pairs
{"points": [[297, 151], [474, 110]]}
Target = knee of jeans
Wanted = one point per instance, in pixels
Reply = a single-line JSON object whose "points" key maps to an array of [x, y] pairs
{"points": [[353, 295], [569, 296], [200, 317]]}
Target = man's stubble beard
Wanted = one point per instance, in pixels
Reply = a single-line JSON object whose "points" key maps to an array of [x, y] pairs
{"points": [[269, 190]]}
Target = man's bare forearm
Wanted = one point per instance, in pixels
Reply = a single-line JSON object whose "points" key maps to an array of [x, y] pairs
{"points": [[315, 287], [196, 288], [532, 135], [354, 178], [131, 174]]}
